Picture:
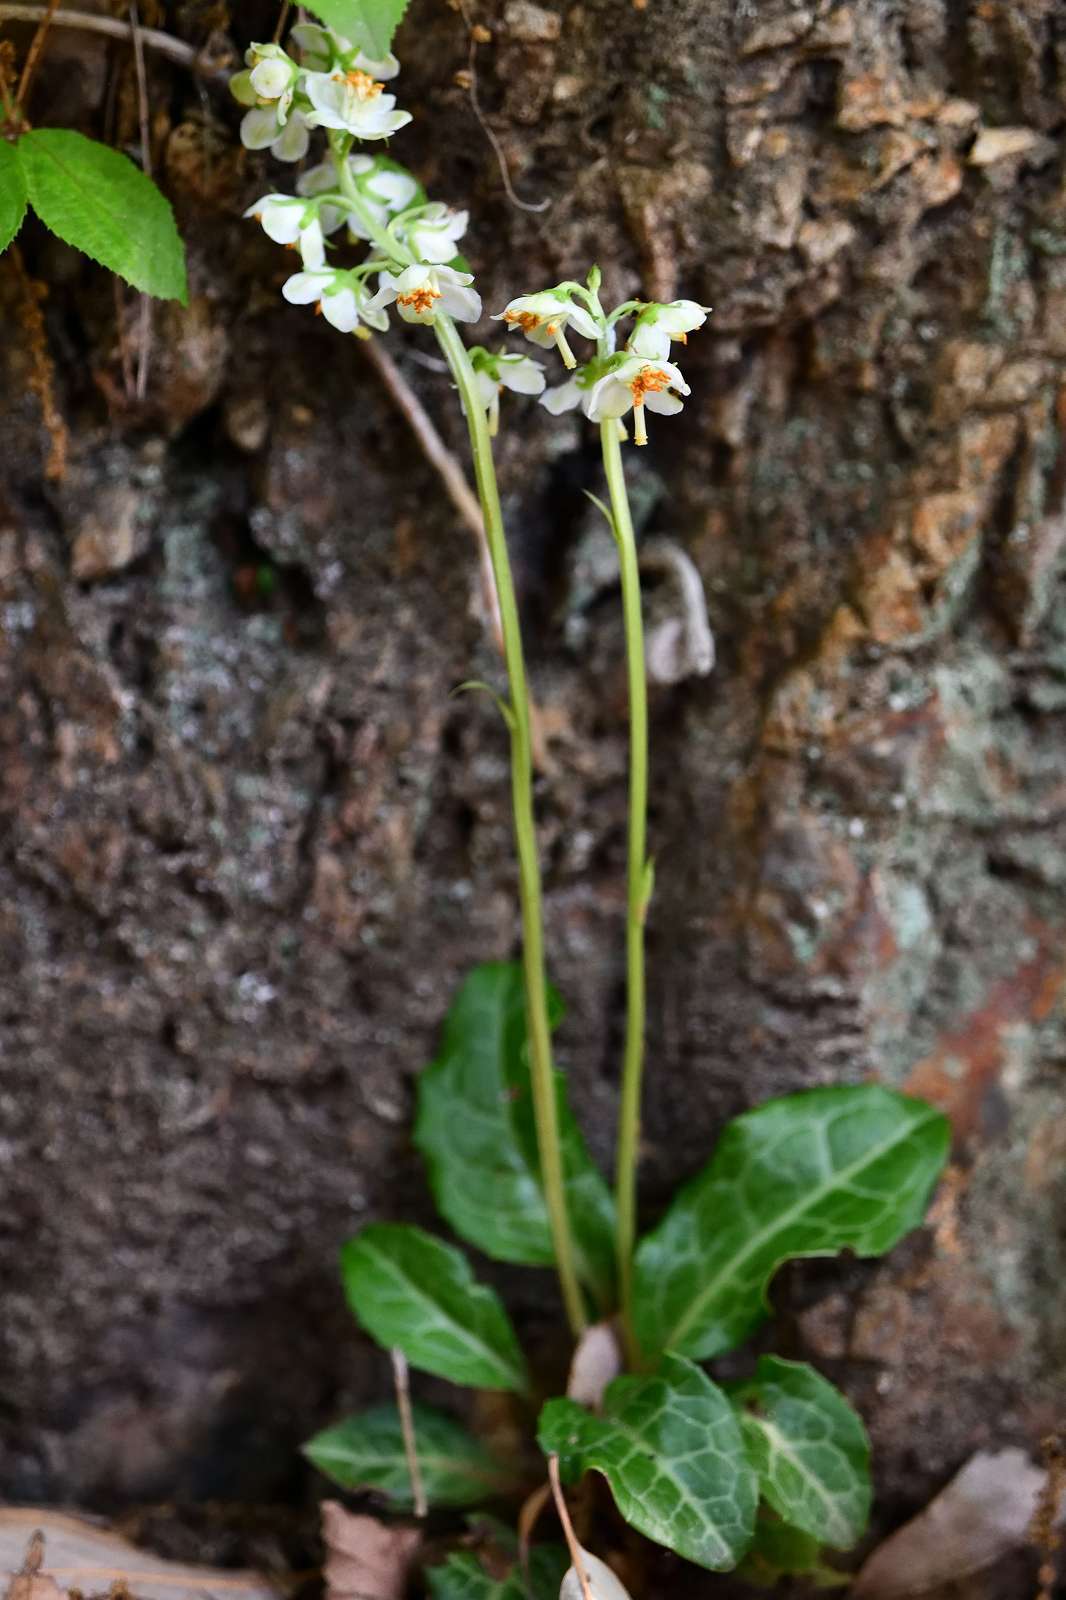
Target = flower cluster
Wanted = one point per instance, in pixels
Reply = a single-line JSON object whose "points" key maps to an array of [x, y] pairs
{"points": [[333, 85], [414, 243], [612, 383]]}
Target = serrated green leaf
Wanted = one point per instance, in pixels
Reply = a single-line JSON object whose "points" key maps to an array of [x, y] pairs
{"points": [[670, 1447], [371, 24], [414, 1293], [809, 1449], [95, 199], [462, 1577], [12, 193], [808, 1175], [367, 1452], [476, 1131]]}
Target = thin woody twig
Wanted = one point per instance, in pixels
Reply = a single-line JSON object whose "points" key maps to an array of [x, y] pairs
{"points": [[34, 54], [441, 459], [145, 319], [114, 28], [283, 17], [576, 1552], [407, 1428]]}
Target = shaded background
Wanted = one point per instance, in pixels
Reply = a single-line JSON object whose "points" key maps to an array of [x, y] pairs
{"points": [[248, 845]]}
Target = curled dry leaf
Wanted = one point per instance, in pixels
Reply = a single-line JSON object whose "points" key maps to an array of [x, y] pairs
{"points": [[76, 1555], [982, 1514], [603, 1583], [365, 1559], [597, 1362]]}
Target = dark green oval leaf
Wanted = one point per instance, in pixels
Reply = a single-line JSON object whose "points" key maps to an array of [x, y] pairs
{"points": [[669, 1445], [414, 1293], [95, 199], [476, 1130], [462, 1577], [808, 1175], [367, 1452], [809, 1449], [371, 24], [12, 193], [779, 1551]]}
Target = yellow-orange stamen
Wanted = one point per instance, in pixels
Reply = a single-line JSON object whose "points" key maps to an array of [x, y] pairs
{"points": [[649, 380], [421, 299], [364, 85], [526, 320]]}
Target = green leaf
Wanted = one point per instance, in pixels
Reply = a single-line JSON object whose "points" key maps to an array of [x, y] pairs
{"points": [[367, 1452], [779, 1551], [370, 24], [414, 1293], [12, 193], [808, 1175], [95, 199], [669, 1445], [462, 1577], [809, 1449], [477, 1132]]}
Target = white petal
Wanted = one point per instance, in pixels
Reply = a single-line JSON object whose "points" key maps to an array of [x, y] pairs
{"points": [[271, 79], [341, 310], [382, 70], [304, 288], [392, 189], [312, 246], [564, 397], [259, 128], [280, 217], [315, 179], [521, 374], [486, 387], [461, 303], [293, 141], [313, 43], [582, 322], [665, 403], [650, 341], [607, 398]]}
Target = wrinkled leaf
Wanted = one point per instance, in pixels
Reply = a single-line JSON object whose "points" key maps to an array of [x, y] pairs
{"points": [[779, 1551], [669, 1445], [984, 1512], [12, 193], [808, 1175], [368, 23], [463, 1577], [477, 1133], [95, 199], [367, 1452], [809, 1449], [365, 1559], [414, 1293]]}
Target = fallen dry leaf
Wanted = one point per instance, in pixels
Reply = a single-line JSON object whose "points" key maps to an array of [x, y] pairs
{"points": [[982, 1514], [365, 1559], [603, 1583], [597, 1362], [75, 1554]]}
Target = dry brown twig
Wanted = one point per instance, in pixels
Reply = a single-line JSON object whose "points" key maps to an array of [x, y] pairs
{"points": [[145, 316], [470, 85], [114, 28], [34, 53], [42, 374], [401, 1378]]}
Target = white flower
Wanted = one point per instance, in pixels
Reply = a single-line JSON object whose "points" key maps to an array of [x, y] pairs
{"points": [[353, 101], [543, 318], [290, 221], [273, 76], [386, 190], [433, 234], [495, 372], [321, 50], [288, 139], [631, 382], [658, 324], [419, 292], [340, 296]]}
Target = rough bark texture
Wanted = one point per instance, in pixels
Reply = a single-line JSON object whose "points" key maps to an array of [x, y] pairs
{"points": [[250, 846]]}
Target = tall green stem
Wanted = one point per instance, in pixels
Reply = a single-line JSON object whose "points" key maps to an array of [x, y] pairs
{"points": [[541, 1070], [638, 873]]}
